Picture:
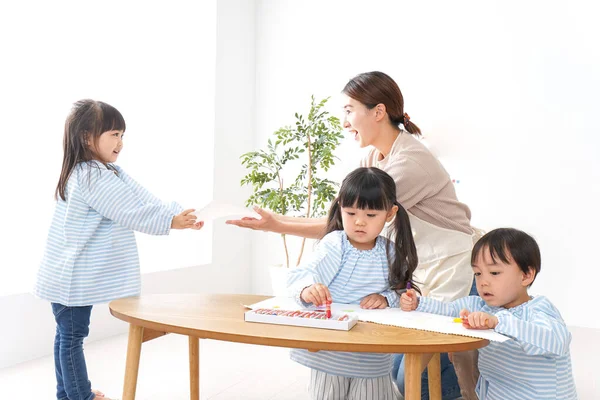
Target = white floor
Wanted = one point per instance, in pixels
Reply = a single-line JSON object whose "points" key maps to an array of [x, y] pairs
{"points": [[228, 371]]}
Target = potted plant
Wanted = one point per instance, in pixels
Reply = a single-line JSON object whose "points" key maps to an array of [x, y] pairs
{"points": [[289, 176]]}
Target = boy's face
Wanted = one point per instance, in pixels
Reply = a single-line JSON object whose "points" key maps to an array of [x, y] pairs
{"points": [[501, 284]]}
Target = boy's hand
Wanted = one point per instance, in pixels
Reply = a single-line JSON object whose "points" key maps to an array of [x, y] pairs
{"points": [[478, 320], [317, 294], [409, 300], [186, 220], [374, 301]]}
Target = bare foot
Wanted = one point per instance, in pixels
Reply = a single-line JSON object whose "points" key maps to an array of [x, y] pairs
{"points": [[99, 394]]}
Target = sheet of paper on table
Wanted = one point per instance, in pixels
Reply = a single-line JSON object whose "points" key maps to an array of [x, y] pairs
{"points": [[393, 317]]}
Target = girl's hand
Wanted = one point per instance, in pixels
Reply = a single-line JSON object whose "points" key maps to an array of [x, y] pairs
{"points": [[185, 220], [317, 294], [198, 225], [478, 320], [374, 301], [268, 222], [409, 300]]}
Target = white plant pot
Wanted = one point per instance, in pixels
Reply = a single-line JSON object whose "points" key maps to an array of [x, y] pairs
{"points": [[278, 279]]}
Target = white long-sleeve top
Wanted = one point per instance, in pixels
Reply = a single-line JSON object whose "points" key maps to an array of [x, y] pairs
{"points": [[350, 274], [535, 364], [91, 255]]}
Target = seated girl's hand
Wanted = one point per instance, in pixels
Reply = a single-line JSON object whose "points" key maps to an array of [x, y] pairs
{"points": [[185, 220], [478, 320], [268, 222], [409, 300], [374, 301], [317, 294]]}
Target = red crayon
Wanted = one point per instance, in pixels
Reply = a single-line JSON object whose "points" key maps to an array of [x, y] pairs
{"points": [[328, 309]]}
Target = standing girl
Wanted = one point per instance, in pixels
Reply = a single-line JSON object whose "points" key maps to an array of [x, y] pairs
{"points": [[354, 264], [91, 255]]}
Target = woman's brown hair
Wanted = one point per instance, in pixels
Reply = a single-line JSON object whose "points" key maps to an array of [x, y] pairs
{"points": [[372, 88]]}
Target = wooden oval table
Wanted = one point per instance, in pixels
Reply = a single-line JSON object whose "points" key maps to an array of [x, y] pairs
{"points": [[221, 317]]}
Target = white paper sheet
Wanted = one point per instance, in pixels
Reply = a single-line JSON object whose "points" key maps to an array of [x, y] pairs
{"points": [[393, 317], [217, 209]]}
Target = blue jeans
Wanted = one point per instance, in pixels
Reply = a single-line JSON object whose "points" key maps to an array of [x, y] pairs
{"points": [[72, 326], [450, 388]]}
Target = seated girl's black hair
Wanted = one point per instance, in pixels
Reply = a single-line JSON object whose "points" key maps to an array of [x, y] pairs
{"points": [[372, 188], [509, 243]]}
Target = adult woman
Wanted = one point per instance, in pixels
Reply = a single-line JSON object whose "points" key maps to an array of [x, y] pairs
{"points": [[374, 114]]}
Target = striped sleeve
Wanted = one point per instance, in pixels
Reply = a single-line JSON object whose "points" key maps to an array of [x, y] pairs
{"points": [[392, 298], [322, 266], [542, 334], [144, 194], [114, 199], [451, 309]]}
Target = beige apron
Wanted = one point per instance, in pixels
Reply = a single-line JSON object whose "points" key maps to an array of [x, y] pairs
{"points": [[444, 271]]}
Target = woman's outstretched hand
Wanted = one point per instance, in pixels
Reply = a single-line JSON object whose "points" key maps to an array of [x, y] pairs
{"points": [[186, 220], [268, 222]]}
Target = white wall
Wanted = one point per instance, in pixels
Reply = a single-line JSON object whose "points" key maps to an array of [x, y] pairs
{"points": [[27, 326], [504, 91], [138, 59]]}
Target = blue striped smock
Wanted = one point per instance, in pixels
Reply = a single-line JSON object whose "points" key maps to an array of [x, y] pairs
{"points": [[535, 364], [91, 254], [350, 274]]}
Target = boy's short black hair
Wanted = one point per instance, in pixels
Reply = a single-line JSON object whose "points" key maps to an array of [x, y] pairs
{"points": [[506, 243]]}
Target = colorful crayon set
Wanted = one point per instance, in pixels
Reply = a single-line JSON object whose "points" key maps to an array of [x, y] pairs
{"points": [[309, 318], [316, 314]]}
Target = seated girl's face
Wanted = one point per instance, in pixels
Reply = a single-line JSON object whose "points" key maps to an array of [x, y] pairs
{"points": [[499, 283], [364, 225]]}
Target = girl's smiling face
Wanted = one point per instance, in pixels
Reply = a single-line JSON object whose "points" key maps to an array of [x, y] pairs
{"points": [[108, 146]]}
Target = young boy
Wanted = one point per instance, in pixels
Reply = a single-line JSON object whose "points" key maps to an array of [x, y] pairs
{"points": [[536, 363]]}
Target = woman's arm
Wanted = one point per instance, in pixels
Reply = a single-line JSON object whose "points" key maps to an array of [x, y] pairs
{"points": [[312, 228]]}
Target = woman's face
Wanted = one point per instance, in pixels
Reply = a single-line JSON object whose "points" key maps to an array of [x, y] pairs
{"points": [[359, 121]]}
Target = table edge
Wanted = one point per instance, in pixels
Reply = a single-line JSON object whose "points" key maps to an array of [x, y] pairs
{"points": [[301, 344]]}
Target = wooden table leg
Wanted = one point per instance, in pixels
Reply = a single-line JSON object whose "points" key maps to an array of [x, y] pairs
{"points": [[434, 378], [412, 376], [194, 368], [134, 348]]}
